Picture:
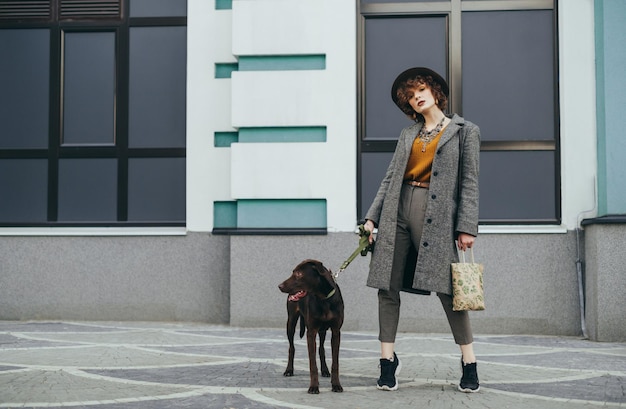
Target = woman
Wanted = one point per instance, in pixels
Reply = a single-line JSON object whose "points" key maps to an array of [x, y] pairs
{"points": [[424, 203]]}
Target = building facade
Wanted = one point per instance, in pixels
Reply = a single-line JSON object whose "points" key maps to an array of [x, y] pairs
{"points": [[175, 159]]}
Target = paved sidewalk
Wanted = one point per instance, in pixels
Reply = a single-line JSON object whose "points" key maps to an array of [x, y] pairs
{"points": [[162, 365]]}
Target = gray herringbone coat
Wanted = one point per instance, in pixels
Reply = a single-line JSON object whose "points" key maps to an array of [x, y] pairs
{"points": [[446, 215]]}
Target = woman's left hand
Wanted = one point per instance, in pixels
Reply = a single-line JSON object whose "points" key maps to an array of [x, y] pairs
{"points": [[465, 241]]}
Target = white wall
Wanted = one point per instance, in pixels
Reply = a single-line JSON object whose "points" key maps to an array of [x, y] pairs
{"points": [[208, 111], [272, 98], [578, 110]]}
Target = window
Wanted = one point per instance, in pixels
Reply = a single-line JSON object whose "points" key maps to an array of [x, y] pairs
{"points": [[92, 113], [499, 58]]}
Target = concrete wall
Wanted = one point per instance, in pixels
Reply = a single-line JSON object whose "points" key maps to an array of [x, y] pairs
{"points": [[530, 284], [530, 281], [177, 278], [605, 277]]}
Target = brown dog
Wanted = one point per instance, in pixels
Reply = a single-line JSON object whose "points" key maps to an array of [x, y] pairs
{"points": [[315, 299]]}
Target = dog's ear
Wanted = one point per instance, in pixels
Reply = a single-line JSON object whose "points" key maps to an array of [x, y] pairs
{"points": [[325, 274], [318, 266]]}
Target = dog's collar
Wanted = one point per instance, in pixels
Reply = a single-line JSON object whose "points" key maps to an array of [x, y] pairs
{"points": [[330, 294]]}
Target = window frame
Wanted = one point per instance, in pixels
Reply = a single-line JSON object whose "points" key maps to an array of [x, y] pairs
{"points": [[453, 10], [121, 24]]}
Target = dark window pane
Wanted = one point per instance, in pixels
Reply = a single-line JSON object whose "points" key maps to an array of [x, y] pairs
{"points": [[157, 87], [156, 189], [375, 165], [23, 190], [518, 186], [24, 85], [87, 190], [158, 8], [89, 88], [392, 48], [508, 74]]}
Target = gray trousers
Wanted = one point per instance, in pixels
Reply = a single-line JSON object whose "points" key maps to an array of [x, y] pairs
{"points": [[411, 213]]}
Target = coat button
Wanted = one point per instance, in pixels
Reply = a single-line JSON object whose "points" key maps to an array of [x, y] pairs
{"points": [[433, 197], [438, 151], [435, 173], [429, 221], [425, 244]]}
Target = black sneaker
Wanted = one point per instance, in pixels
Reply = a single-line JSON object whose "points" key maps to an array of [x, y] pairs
{"points": [[389, 370], [469, 381]]}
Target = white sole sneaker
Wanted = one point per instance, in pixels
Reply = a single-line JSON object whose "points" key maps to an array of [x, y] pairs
{"points": [[395, 375], [468, 390]]}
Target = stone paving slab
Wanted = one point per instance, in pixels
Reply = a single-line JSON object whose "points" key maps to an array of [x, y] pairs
{"points": [[108, 365]]}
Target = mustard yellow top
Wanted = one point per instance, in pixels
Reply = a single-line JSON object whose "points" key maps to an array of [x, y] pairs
{"points": [[420, 163]]}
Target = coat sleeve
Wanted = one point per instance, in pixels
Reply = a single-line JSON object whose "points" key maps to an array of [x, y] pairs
{"points": [[375, 209], [467, 214]]}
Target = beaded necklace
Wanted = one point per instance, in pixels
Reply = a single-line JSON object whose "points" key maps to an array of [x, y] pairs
{"points": [[427, 136]]}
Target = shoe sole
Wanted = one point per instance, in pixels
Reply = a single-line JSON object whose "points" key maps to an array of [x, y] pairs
{"points": [[468, 390], [395, 387]]}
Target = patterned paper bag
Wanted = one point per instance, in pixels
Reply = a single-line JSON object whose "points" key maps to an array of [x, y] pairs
{"points": [[467, 285]]}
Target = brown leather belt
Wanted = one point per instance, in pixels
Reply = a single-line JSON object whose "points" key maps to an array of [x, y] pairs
{"points": [[417, 184]]}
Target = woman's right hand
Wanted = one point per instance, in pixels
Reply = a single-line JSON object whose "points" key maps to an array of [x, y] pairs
{"points": [[369, 226]]}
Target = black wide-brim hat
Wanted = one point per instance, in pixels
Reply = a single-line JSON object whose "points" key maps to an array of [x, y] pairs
{"points": [[415, 72]]}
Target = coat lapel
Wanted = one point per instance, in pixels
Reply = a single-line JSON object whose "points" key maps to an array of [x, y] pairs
{"points": [[451, 130], [408, 143]]}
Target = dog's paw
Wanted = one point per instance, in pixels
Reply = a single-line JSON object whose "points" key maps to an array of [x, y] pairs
{"points": [[315, 390], [288, 372], [337, 388]]}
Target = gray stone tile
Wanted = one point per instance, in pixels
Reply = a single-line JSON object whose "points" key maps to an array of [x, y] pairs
{"points": [[147, 365]]}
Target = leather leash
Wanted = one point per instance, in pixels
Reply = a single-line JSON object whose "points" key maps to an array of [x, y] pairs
{"points": [[363, 248]]}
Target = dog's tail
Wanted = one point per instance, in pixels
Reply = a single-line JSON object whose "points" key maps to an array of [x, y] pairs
{"points": [[302, 325]]}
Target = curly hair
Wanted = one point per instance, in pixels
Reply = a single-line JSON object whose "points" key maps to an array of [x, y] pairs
{"points": [[406, 91]]}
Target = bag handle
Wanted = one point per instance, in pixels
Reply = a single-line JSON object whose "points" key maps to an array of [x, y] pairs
{"points": [[462, 255]]}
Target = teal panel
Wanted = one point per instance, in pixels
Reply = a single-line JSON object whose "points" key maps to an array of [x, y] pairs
{"points": [[225, 214], [610, 101], [600, 112], [615, 101], [223, 4], [283, 134], [282, 62], [225, 139], [225, 70], [281, 213]]}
